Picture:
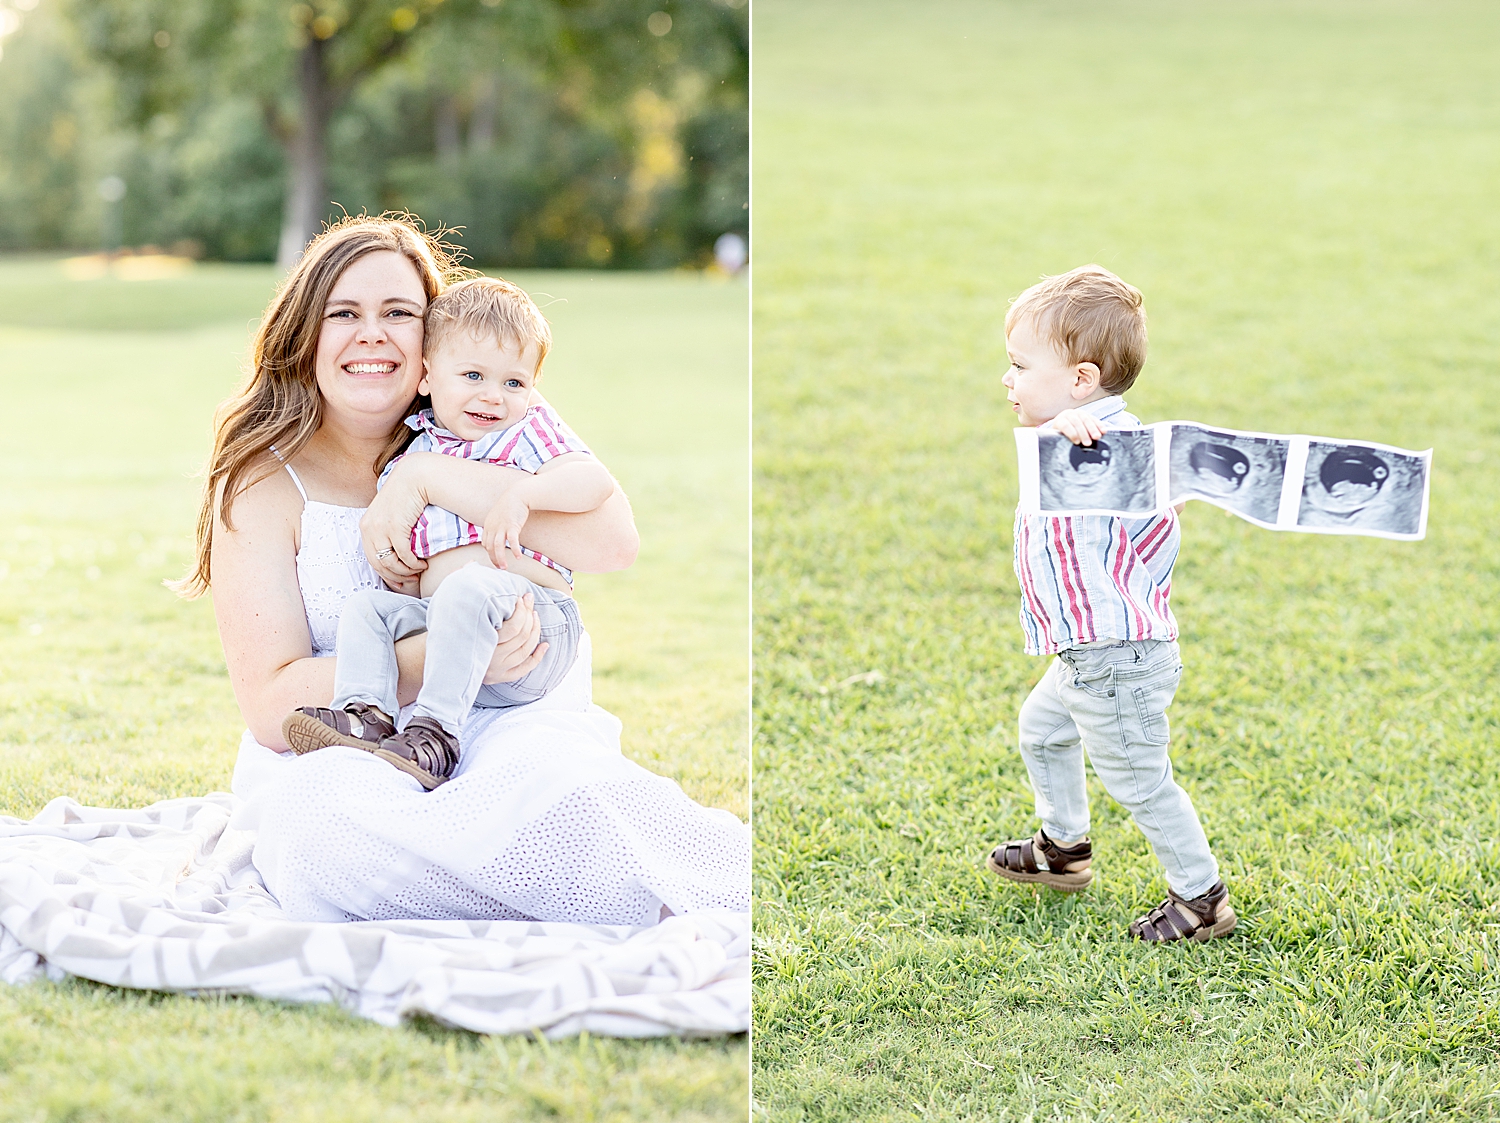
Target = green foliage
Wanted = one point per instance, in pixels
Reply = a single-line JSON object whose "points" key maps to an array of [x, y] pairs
{"points": [[46, 119], [555, 132], [113, 691], [1300, 192]]}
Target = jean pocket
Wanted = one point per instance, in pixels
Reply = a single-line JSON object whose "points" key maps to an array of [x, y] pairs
{"points": [[1098, 683], [1153, 718]]}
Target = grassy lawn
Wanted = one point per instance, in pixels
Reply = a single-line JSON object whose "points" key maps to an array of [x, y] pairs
{"points": [[1305, 193], [113, 691]]}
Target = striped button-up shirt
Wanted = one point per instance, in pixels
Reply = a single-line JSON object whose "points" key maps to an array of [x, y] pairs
{"points": [[1087, 578], [538, 437]]}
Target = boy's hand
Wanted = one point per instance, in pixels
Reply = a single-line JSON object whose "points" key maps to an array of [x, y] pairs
{"points": [[502, 527], [517, 652], [1079, 427]]}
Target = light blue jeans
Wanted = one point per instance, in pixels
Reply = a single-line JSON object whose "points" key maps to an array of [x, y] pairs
{"points": [[1111, 699], [462, 620]]}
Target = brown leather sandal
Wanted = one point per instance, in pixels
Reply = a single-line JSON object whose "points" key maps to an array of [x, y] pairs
{"points": [[317, 727], [1203, 918], [1067, 868], [423, 749]]}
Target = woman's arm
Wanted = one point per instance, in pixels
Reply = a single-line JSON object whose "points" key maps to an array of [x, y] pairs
{"points": [[258, 605], [263, 623], [596, 541], [573, 483]]}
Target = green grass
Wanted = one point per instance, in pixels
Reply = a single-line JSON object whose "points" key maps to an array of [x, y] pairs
{"points": [[113, 691], [1305, 194]]}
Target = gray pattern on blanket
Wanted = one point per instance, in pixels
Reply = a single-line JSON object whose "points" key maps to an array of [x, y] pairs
{"points": [[166, 898]]}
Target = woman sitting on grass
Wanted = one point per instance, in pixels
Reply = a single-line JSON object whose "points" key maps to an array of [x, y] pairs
{"points": [[544, 818]]}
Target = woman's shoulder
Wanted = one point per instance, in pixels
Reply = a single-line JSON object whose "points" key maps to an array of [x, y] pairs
{"points": [[272, 498], [261, 534]]}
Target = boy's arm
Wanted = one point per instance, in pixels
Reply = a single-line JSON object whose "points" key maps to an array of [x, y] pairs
{"points": [[572, 483], [599, 540]]}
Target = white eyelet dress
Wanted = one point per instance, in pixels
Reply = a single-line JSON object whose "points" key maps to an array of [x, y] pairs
{"points": [[544, 818]]}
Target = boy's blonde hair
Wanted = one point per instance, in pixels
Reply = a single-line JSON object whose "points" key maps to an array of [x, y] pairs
{"points": [[488, 308], [1091, 316]]}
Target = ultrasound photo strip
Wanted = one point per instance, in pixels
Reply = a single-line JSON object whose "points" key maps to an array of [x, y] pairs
{"points": [[1312, 484]]}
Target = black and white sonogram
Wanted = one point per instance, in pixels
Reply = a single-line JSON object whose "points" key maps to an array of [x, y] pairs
{"points": [[1117, 473], [1363, 488], [1236, 471]]}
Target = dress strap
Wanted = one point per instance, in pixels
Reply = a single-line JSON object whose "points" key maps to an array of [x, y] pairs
{"points": [[289, 471]]}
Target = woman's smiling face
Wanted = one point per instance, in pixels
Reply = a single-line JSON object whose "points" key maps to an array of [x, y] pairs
{"points": [[369, 356]]}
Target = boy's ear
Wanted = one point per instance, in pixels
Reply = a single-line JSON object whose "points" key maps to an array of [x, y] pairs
{"points": [[423, 386], [1086, 379]]}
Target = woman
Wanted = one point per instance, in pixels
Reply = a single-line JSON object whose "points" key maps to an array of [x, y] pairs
{"points": [[544, 819]]}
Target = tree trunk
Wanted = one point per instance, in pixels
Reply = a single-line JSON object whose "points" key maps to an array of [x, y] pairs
{"points": [[482, 119], [307, 157], [446, 131]]}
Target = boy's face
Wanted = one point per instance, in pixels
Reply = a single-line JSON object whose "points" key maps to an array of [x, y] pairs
{"points": [[1041, 382], [478, 386]]}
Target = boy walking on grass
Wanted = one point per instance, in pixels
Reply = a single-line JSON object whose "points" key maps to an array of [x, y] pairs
{"points": [[1094, 592]]}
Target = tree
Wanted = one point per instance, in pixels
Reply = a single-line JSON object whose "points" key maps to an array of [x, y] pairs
{"points": [[558, 132], [300, 62]]}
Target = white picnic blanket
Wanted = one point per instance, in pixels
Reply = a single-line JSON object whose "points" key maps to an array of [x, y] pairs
{"points": [[166, 898]]}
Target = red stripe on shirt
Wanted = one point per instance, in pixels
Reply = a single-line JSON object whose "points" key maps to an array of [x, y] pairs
{"points": [[1027, 579], [546, 437], [1151, 543], [1157, 533], [1062, 557], [1083, 590], [1123, 555], [510, 447]]}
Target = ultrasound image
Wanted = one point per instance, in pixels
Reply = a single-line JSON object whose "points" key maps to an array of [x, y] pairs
{"points": [[1355, 487], [1238, 472], [1116, 474]]}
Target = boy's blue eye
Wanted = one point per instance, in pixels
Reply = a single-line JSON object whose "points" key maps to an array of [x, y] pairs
{"points": [[513, 384], [473, 376]]}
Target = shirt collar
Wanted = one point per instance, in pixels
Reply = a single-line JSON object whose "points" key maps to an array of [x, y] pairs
{"points": [[1105, 409], [427, 420]]}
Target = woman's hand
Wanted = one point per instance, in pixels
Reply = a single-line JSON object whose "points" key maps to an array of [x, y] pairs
{"points": [[386, 525], [517, 653]]}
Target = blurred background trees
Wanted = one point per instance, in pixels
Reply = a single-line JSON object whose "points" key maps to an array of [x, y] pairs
{"points": [[599, 133]]}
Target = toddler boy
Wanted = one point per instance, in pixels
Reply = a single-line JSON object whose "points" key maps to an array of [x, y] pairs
{"points": [[1094, 592], [483, 348]]}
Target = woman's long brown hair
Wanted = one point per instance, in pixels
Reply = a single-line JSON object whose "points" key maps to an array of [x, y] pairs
{"points": [[279, 403]]}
